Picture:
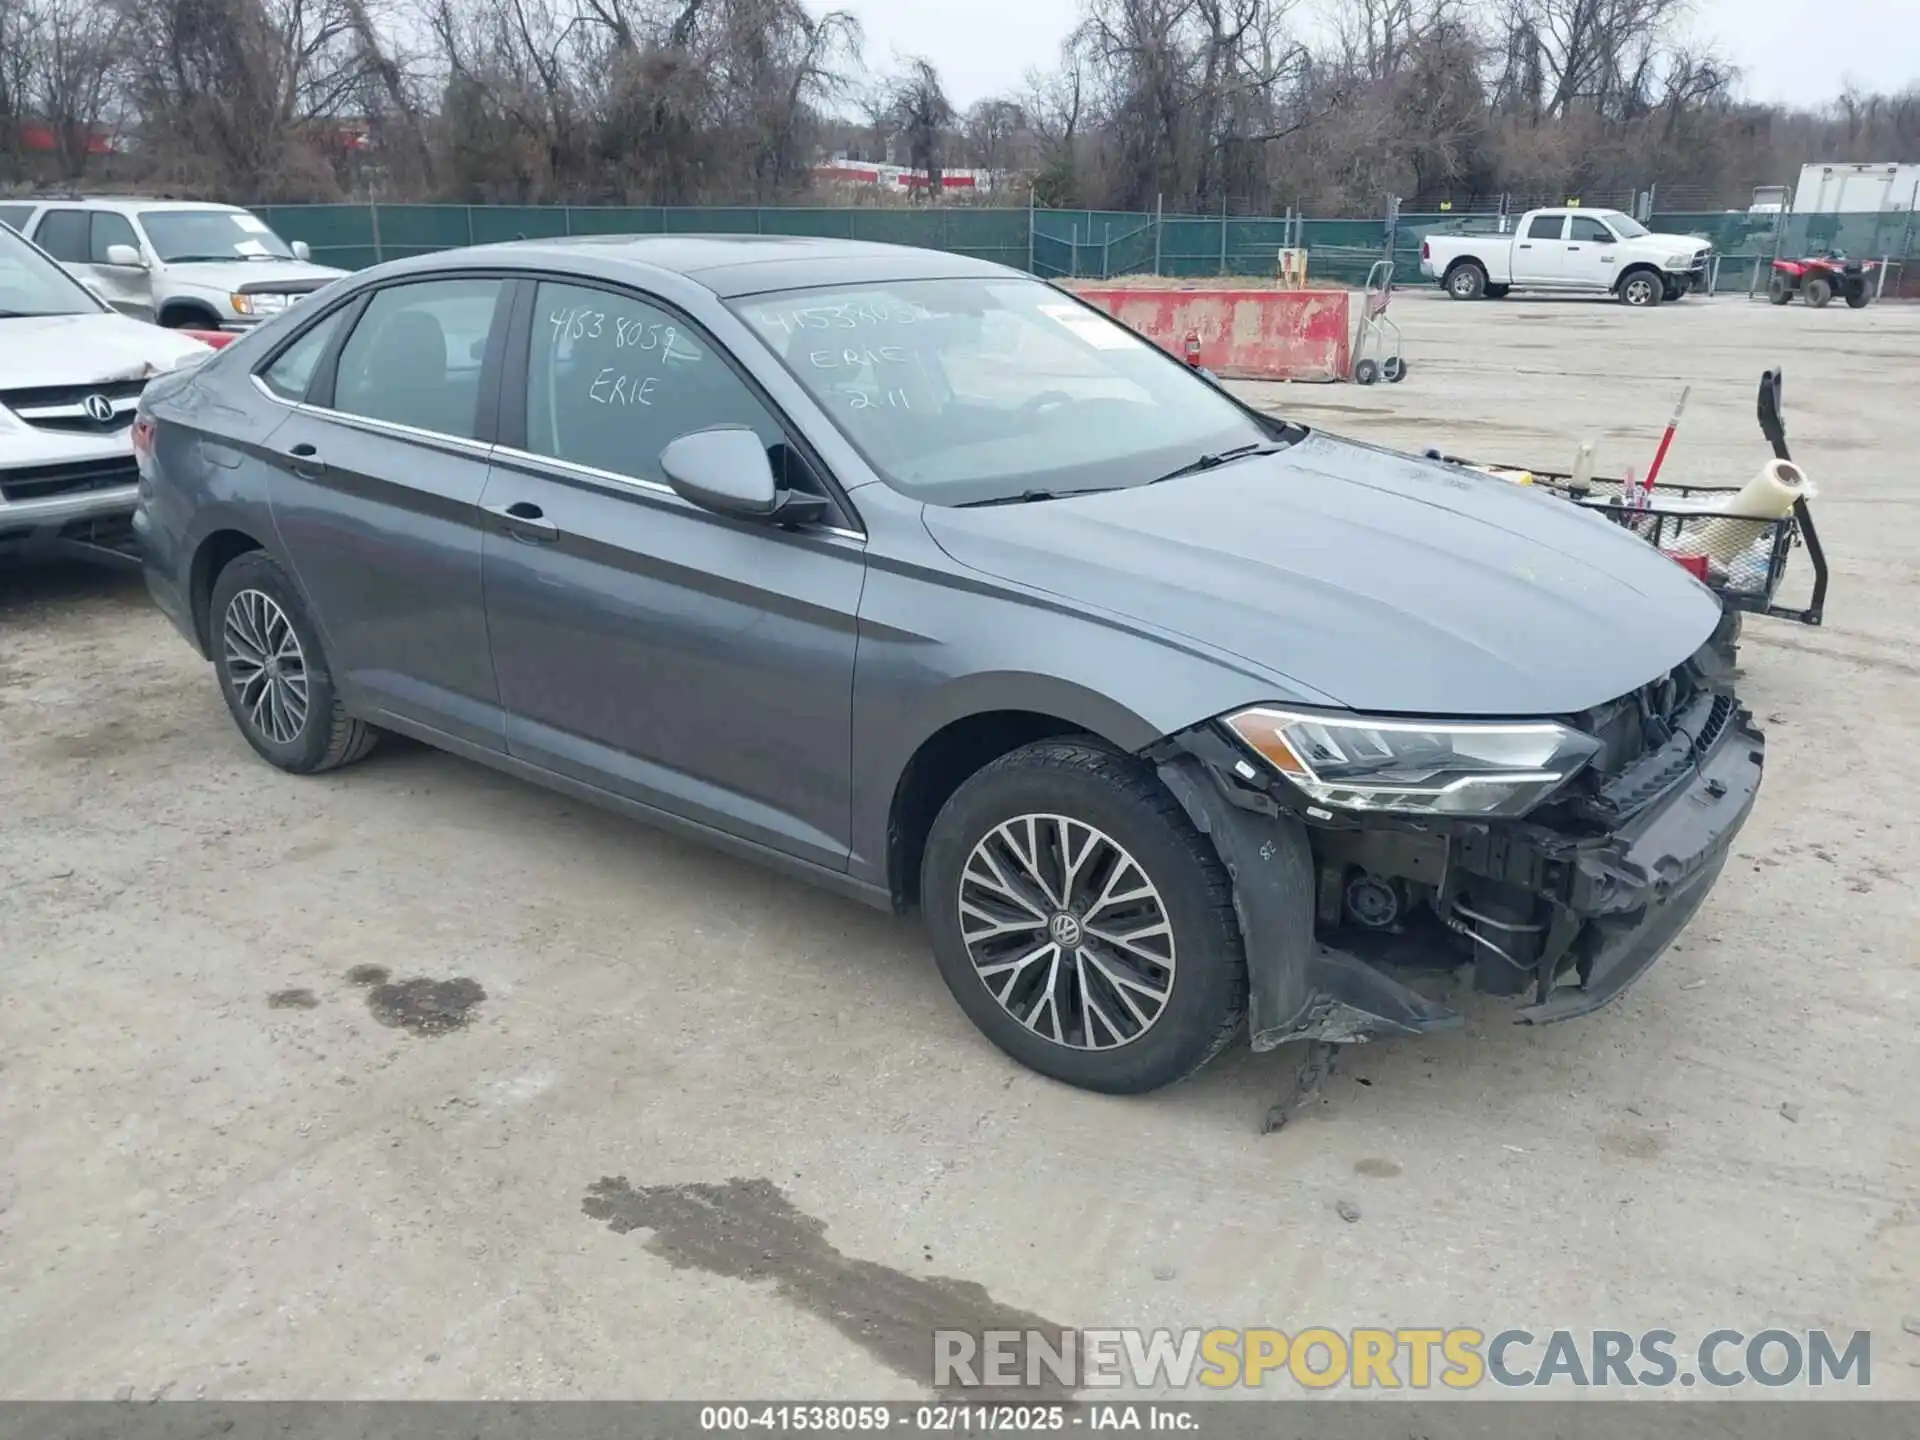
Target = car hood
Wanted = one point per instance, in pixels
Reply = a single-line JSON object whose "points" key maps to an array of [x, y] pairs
{"points": [[1676, 242], [45, 350], [255, 275], [1386, 582]]}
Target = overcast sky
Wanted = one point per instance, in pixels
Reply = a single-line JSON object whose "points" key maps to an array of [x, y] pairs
{"points": [[1793, 50]]}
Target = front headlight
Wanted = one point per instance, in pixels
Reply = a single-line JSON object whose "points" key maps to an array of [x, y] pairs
{"points": [[257, 304], [1416, 767], [1679, 262]]}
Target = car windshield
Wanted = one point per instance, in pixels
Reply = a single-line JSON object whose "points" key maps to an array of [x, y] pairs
{"points": [[31, 284], [179, 236], [1625, 226], [961, 392]]}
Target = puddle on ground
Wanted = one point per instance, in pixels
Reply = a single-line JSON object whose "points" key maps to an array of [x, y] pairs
{"points": [[749, 1230], [418, 1006], [1376, 1168], [292, 1000]]}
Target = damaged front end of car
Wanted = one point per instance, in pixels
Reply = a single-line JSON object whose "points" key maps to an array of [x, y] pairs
{"points": [[1556, 857]]}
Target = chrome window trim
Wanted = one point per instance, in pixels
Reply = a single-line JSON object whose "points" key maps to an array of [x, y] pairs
{"points": [[529, 459], [465, 444]]}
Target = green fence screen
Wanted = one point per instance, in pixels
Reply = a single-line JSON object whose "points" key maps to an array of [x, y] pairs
{"points": [[1094, 244]]}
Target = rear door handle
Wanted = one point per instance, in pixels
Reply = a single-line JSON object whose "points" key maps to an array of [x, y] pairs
{"points": [[306, 462], [525, 521]]}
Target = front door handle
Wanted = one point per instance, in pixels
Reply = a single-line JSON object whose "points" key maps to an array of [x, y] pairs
{"points": [[525, 521], [1525, 245], [305, 461]]}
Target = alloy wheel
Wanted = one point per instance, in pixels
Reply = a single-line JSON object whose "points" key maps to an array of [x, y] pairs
{"points": [[266, 667], [1067, 932]]}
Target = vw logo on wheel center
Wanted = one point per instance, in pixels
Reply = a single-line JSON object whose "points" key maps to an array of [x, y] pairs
{"points": [[1064, 930]]}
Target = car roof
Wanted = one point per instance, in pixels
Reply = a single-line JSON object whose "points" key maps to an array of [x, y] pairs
{"points": [[126, 202], [733, 265]]}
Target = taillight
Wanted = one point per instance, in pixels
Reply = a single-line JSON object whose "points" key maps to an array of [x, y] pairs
{"points": [[1426, 251], [143, 437]]}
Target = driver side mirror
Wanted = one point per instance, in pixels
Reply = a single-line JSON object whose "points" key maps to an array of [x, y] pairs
{"points": [[125, 257], [726, 470], [301, 250]]}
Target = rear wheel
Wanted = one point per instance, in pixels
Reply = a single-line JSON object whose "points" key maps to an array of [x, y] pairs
{"points": [[1466, 281], [1365, 372], [1859, 294], [1819, 290], [1393, 370], [273, 674], [1081, 921]]}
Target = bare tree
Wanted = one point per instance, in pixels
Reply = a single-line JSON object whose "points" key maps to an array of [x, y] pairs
{"points": [[924, 115]]}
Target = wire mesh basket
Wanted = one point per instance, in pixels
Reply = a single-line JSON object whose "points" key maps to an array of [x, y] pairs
{"points": [[1742, 559]]}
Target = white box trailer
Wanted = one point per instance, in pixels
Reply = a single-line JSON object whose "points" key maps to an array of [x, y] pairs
{"points": [[1855, 189]]}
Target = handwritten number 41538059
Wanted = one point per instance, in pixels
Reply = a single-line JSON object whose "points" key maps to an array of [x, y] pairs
{"points": [[580, 323]]}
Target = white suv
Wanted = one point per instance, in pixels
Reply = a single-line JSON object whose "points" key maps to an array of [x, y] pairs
{"points": [[182, 264], [71, 373]]}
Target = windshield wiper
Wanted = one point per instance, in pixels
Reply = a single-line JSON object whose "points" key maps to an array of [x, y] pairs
{"points": [[199, 259], [1028, 497], [1221, 457]]}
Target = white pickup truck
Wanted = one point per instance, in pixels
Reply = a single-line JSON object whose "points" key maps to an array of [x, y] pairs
{"points": [[1569, 252]]}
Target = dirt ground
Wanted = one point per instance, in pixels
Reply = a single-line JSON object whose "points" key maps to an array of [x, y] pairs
{"points": [[415, 1081]]}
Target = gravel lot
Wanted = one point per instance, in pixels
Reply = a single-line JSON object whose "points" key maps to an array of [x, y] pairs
{"points": [[234, 1161]]}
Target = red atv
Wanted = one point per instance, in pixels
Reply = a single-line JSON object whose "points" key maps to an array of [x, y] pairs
{"points": [[1821, 277]]}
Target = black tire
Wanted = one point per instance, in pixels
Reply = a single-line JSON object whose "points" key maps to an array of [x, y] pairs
{"points": [[1779, 290], [1818, 290], [1642, 289], [1393, 370], [1859, 295], [180, 318], [1365, 372], [325, 736], [1466, 281], [1498, 292], [1095, 789]]}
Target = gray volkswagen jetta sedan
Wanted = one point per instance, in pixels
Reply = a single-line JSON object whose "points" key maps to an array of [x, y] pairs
{"points": [[918, 577]]}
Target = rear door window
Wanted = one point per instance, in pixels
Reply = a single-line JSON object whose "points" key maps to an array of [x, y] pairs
{"points": [[63, 235], [415, 356], [14, 217], [289, 376]]}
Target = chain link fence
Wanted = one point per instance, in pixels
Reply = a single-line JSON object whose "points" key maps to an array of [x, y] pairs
{"points": [[1090, 244]]}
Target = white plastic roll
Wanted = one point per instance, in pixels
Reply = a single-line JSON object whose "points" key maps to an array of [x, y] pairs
{"points": [[1769, 496]]}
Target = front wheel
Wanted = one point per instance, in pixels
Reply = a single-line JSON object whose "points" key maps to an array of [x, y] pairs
{"points": [[266, 653], [1819, 290], [1081, 921], [1779, 290], [1365, 372], [1859, 295], [1642, 289]]}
